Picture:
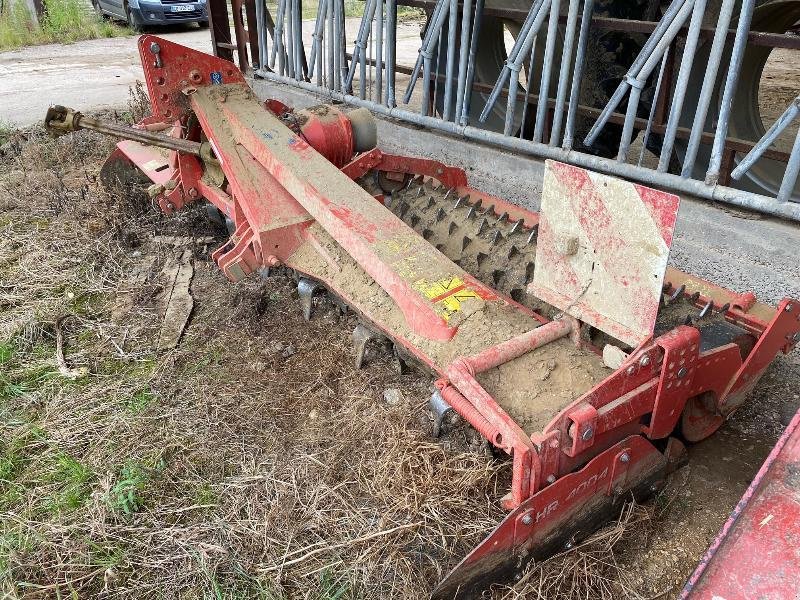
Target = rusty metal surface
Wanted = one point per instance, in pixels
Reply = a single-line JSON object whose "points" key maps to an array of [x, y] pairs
{"points": [[603, 249]]}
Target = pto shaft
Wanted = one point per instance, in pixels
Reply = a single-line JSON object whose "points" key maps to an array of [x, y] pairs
{"points": [[61, 120]]}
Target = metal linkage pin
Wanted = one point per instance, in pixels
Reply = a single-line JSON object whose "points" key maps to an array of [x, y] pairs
{"points": [[440, 409], [306, 289], [677, 293]]}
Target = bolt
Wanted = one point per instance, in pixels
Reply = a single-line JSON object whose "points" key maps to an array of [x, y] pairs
{"points": [[645, 360], [682, 372], [624, 457], [527, 519], [788, 307], [654, 488], [568, 545], [630, 370], [155, 48], [193, 193], [551, 479], [587, 434]]}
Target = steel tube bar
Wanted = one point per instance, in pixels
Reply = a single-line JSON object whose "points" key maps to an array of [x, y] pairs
{"points": [[719, 193], [391, 52], [768, 138], [316, 46], [440, 6], [521, 47], [682, 84], [466, 19], [563, 75], [277, 45], [653, 106], [790, 175], [473, 50], [379, 21], [259, 6], [360, 45], [298, 38], [526, 99], [504, 352], [731, 82], [451, 59], [577, 75], [514, 65], [331, 44], [290, 45], [337, 44], [547, 67], [633, 71], [707, 89], [638, 82]]}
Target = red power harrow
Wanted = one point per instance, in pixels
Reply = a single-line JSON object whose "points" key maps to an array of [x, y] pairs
{"points": [[580, 369]]}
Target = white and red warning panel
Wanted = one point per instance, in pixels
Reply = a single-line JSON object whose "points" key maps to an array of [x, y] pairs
{"points": [[602, 249]]}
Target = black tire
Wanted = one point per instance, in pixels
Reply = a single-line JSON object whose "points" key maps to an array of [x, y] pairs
{"points": [[202, 24], [132, 21]]}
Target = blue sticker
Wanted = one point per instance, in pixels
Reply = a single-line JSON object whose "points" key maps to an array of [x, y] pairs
{"points": [[216, 77]]}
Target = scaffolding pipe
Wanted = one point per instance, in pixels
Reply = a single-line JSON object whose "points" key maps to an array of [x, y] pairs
{"points": [[693, 187], [577, 75]]}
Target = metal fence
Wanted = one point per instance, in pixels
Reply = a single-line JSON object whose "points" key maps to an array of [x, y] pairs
{"points": [[688, 64]]}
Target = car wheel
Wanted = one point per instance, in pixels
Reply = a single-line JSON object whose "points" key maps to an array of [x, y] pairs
{"points": [[132, 21]]}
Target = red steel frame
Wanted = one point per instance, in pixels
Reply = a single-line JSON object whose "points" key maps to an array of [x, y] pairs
{"points": [[595, 449]]}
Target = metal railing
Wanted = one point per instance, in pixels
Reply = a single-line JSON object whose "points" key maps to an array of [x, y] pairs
{"points": [[547, 59]]}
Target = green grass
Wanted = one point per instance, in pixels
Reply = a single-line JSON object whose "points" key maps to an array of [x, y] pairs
{"points": [[65, 21]]}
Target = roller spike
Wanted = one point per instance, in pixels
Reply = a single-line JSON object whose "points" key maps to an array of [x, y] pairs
{"points": [[452, 227], [532, 235], [503, 218], [687, 320], [482, 227], [497, 238], [440, 214], [529, 272], [512, 252], [471, 212], [420, 191], [478, 203], [480, 257], [431, 203], [516, 227], [497, 275], [403, 209], [427, 234], [306, 289], [413, 220], [448, 192], [460, 202], [488, 210], [466, 241]]}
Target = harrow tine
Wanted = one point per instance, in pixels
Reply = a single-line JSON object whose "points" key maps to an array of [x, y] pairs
{"points": [[306, 289], [362, 335], [440, 409], [403, 365]]}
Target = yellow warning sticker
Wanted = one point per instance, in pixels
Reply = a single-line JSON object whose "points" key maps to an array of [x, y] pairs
{"points": [[446, 294]]}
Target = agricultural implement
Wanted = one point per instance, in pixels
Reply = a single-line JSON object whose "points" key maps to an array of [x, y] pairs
{"points": [[560, 336]]}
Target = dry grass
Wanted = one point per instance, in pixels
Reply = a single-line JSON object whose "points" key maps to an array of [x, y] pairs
{"points": [[252, 461]]}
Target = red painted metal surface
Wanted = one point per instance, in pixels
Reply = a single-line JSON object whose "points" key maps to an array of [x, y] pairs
{"points": [[756, 555], [287, 201]]}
